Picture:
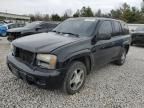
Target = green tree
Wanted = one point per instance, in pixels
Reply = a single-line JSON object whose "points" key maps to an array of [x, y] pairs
{"points": [[116, 13], [77, 14], [130, 14], [86, 12], [55, 17]]}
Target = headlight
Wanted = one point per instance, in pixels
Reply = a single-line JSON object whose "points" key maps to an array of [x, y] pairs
{"points": [[46, 61]]}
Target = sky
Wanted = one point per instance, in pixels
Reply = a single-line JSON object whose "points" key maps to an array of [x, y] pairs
{"points": [[59, 6]]}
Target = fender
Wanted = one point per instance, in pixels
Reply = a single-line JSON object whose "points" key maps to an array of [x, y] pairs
{"points": [[82, 53], [127, 41], [78, 54]]}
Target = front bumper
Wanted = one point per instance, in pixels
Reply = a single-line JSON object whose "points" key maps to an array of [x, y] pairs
{"points": [[33, 75]]}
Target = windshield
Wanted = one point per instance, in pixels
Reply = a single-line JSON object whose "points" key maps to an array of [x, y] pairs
{"points": [[33, 24], [140, 28], [84, 27]]}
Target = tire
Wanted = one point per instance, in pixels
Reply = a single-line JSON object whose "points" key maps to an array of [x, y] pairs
{"points": [[122, 59], [75, 78], [132, 44], [10, 38]]}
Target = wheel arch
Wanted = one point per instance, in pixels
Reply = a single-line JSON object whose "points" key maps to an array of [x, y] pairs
{"points": [[127, 48], [82, 57]]}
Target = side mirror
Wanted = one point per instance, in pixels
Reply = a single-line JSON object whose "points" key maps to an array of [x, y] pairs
{"points": [[103, 37]]}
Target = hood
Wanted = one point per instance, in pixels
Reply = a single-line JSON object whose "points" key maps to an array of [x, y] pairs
{"points": [[20, 29], [44, 42]]}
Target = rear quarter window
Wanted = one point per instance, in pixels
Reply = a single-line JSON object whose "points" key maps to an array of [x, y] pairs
{"points": [[125, 28]]}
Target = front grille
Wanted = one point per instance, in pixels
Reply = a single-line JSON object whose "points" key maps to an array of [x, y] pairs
{"points": [[25, 56]]}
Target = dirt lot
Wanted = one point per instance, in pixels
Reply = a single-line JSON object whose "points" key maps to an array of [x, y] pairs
{"points": [[110, 87]]}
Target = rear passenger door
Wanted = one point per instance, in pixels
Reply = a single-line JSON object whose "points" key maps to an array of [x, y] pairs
{"points": [[117, 38], [103, 50]]}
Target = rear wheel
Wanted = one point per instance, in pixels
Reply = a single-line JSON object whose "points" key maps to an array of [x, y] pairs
{"points": [[122, 59], [75, 78]]}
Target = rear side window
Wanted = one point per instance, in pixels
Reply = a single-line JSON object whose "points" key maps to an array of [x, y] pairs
{"points": [[11, 26], [51, 26], [125, 29], [105, 28], [117, 28], [44, 25]]}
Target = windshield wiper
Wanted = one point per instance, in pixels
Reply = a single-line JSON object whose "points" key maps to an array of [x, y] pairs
{"points": [[77, 35], [55, 31]]}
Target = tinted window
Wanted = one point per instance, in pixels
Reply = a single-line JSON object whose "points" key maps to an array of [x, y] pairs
{"points": [[117, 28], [44, 25], [52, 25], [105, 28], [12, 26], [125, 28]]}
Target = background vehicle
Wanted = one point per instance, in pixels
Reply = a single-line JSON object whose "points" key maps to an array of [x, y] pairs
{"points": [[3, 30], [5, 27], [63, 57], [14, 25], [32, 28], [138, 36]]}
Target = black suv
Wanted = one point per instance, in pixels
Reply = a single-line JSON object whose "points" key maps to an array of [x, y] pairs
{"points": [[138, 36], [29, 29], [63, 57]]}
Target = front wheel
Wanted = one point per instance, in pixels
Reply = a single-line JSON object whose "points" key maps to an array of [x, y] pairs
{"points": [[10, 38], [122, 59], [75, 78]]}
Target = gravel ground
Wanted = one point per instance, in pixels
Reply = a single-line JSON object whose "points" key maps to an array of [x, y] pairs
{"points": [[4, 49], [109, 87]]}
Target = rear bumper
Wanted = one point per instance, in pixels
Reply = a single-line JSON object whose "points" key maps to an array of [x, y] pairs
{"points": [[45, 79]]}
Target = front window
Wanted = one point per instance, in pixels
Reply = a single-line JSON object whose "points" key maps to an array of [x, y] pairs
{"points": [[81, 27]]}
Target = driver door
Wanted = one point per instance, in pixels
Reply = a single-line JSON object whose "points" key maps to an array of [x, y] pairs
{"points": [[103, 49]]}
